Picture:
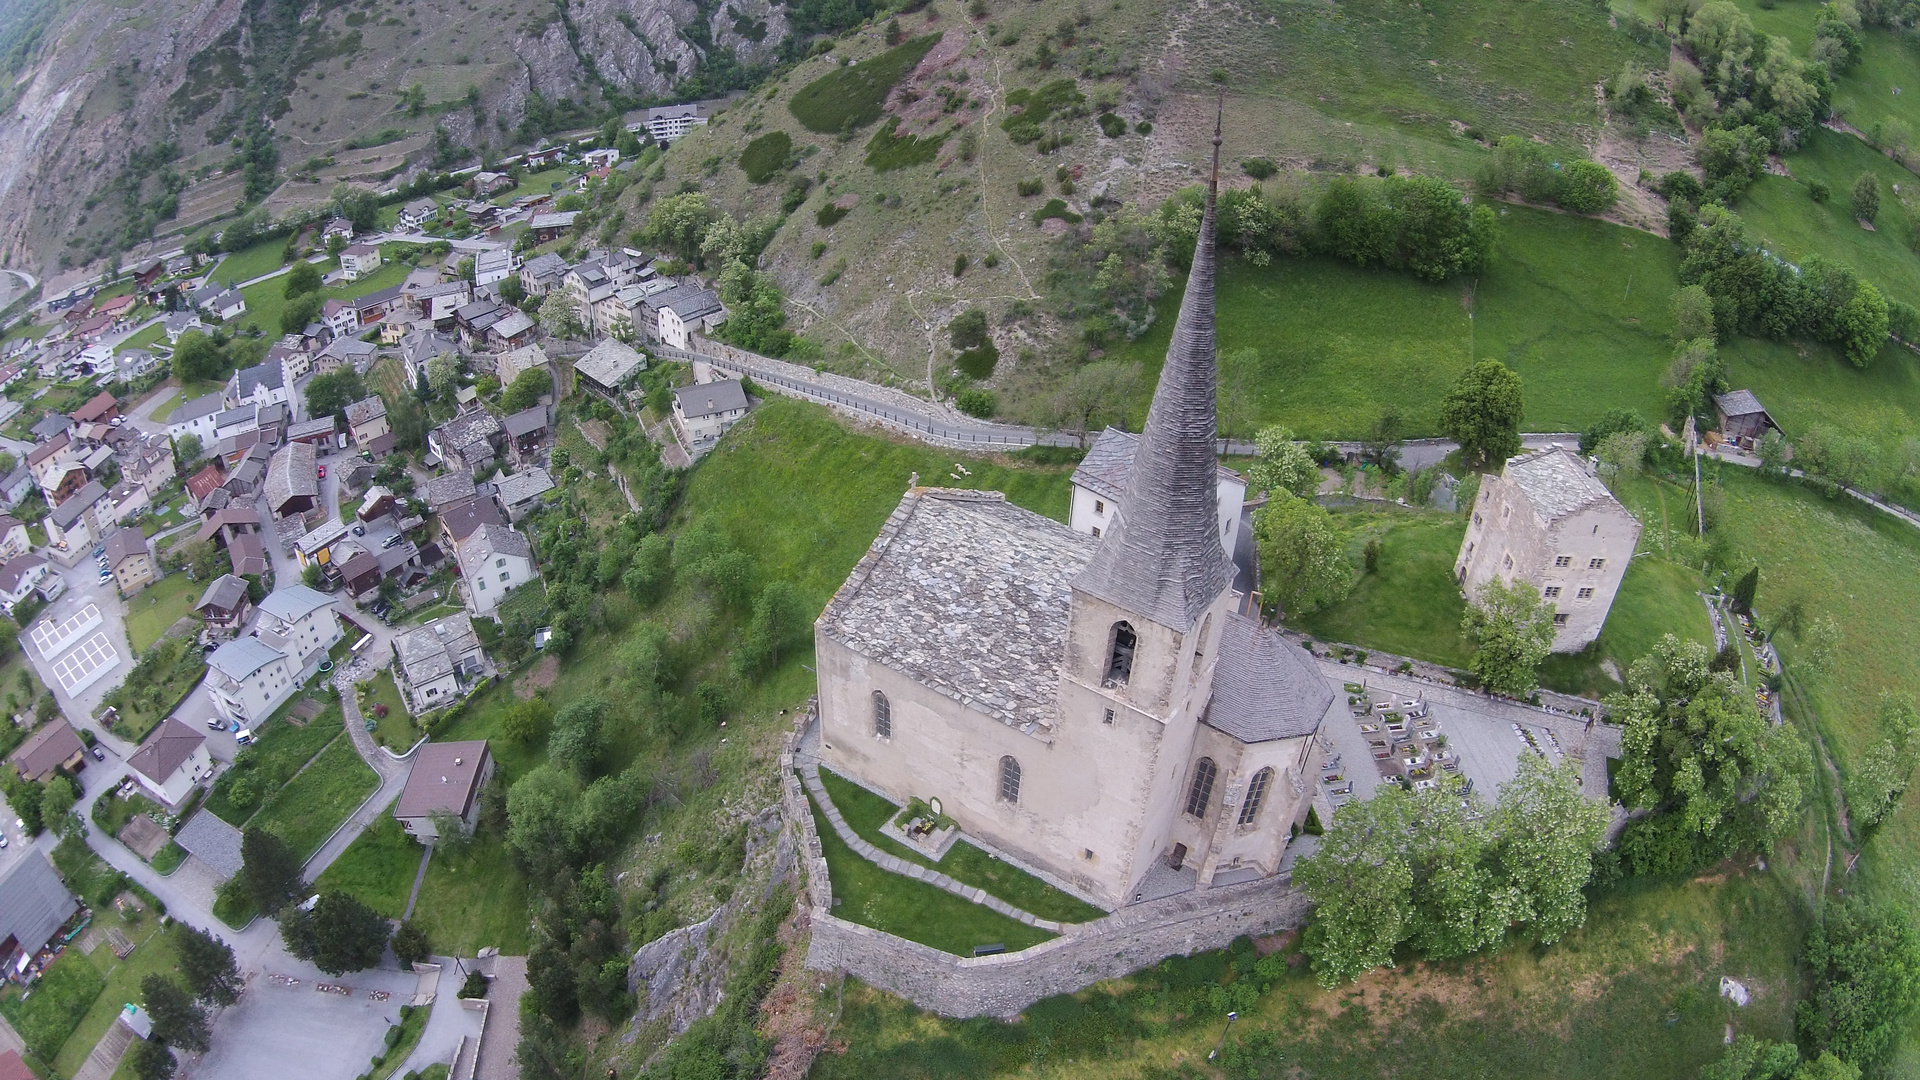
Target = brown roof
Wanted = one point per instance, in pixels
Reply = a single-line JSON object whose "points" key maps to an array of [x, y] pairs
{"points": [[463, 517], [101, 404], [248, 552], [45, 750], [170, 744], [445, 776], [203, 482], [12, 1068], [47, 449]]}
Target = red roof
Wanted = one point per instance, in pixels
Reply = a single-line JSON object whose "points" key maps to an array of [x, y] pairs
{"points": [[12, 1068], [203, 482], [102, 404]]}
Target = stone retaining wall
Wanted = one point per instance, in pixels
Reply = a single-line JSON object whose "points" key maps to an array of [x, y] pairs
{"points": [[1132, 938]]}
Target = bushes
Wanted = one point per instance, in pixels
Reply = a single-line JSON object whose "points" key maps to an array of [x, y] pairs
{"points": [[852, 97], [829, 216], [1030, 187], [1056, 208], [1037, 106], [1526, 168], [1418, 224], [1111, 126], [765, 156], [977, 403], [1259, 168], [888, 151]]}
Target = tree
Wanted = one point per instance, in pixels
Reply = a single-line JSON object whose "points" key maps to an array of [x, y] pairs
{"points": [[1692, 314], [1694, 375], [1697, 751], [779, 617], [300, 312], [1511, 627], [1382, 444], [1482, 412], [339, 935], [1092, 397], [1613, 421], [56, 800], [1283, 465], [527, 722], [1866, 197], [269, 870], [1548, 833], [1743, 590], [1754, 1059], [1865, 961], [646, 579], [1879, 781], [331, 393], [1589, 188], [1304, 560], [196, 357], [303, 278], [152, 1060], [1362, 889], [207, 964], [1861, 325], [443, 375], [560, 316], [1622, 452], [527, 388], [679, 223], [578, 739], [187, 451], [177, 1020], [512, 291], [539, 829], [410, 944]]}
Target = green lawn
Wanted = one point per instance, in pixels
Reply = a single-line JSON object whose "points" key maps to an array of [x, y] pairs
{"points": [[168, 859], [412, 1025], [1785, 218], [378, 867], [279, 749], [251, 262], [307, 810], [865, 812], [1411, 605], [540, 183], [395, 731], [865, 894], [267, 300], [147, 339], [473, 900], [158, 606], [169, 401], [55, 1005], [153, 952]]}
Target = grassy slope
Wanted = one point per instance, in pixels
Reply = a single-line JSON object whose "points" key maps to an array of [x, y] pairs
{"points": [[474, 900], [378, 867], [278, 751], [1785, 218], [309, 808]]}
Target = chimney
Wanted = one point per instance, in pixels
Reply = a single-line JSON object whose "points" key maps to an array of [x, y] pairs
{"points": [[457, 761]]}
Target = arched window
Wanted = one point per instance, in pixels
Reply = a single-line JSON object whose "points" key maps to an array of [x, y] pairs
{"points": [[1009, 780], [1256, 794], [882, 716], [1201, 793], [1120, 661]]}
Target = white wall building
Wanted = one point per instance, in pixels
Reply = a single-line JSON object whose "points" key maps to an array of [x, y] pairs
{"points": [[493, 560], [1100, 482]]}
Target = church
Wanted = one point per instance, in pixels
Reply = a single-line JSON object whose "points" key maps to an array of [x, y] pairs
{"points": [[1093, 706]]}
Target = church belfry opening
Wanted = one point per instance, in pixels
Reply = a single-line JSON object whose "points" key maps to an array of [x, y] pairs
{"points": [[1120, 657]]}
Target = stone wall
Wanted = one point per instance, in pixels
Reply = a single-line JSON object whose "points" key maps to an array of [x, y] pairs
{"points": [[1003, 985]]}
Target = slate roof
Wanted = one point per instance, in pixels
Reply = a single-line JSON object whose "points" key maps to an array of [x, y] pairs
{"points": [[366, 410], [710, 399], [469, 429], [610, 363], [522, 486], [1739, 403], [170, 744], [445, 776], [269, 375], [444, 491], [967, 594], [46, 749], [33, 901], [1556, 482], [1161, 557], [77, 503], [462, 518], [489, 540], [428, 652], [197, 408], [225, 593], [292, 474], [249, 553], [212, 841], [307, 429], [53, 424], [525, 422], [1109, 461], [241, 657], [544, 266], [1265, 687], [688, 302]]}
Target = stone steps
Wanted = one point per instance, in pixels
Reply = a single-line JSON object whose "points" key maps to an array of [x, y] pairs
{"points": [[810, 776]]}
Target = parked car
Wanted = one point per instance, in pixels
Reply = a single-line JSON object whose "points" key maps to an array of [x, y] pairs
{"points": [[3, 840], [323, 472], [216, 723], [99, 753], [359, 530], [391, 540]]}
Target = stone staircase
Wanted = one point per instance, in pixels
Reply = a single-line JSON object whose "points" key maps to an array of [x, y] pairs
{"points": [[105, 1058]]}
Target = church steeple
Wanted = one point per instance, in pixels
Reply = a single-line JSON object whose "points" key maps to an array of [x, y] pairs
{"points": [[1162, 557]]}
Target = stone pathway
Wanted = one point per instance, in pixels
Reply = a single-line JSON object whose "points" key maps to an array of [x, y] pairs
{"points": [[419, 878], [810, 776], [106, 1055], [493, 1058]]}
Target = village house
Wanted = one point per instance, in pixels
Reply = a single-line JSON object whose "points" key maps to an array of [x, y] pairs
{"points": [[53, 747], [588, 284], [101, 408], [438, 302], [319, 431], [219, 302], [130, 561], [495, 265], [195, 418], [293, 483], [249, 677], [666, 123], [551, 226], [527, 430], [484, 184], [225, 605], [28, 575], [523, 492], [367, 421], [704, 411], [446, 780], [73, 525], [234, 422], [171, 762], [418, 214], [149, 463], [16, 486], [14, 541], [339, 227], [345, 352], [1741, 418], [1548, 521], [438, 661], [180, 322], [59, 467], [447, 490], [513, 363], [316, 546], [34, 905], [1096, 708], [262, 384], [468, 441], [374, 306], [358, 261], [494, 559], [419, 349], [339, 317], [125, 501], [683, 312], [540, 274], [608, 367]]}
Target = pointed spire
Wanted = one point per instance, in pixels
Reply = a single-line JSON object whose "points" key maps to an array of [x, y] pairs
{"points": [[1162, 557]]}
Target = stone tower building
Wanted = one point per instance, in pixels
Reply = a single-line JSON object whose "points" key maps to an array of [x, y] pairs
{"points": [[1093, 707]]}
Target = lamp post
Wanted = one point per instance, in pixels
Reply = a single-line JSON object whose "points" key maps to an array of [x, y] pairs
{"points": [[1222, 1041]]}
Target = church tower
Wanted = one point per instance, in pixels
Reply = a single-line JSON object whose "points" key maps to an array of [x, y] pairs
{"points": [[1148, 612]]}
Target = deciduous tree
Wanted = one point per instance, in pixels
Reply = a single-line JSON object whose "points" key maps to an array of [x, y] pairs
{"points": [[1692, 314], [152, 1060], [560, 316], [1482, 412], [1511, 626], [331, 393], [303, 278], [1865, 962], [1866, 197], [1283, 464], [1879, 780], [410, 944], [1303, 557], [578, 740], [339, 935], [527, 388], [1548, 831]]}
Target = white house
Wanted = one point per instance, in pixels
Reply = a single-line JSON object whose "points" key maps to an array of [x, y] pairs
{"points": [[437, 660], [180, 322], [496, 265], [704, 411], [301, 623], [493, 560], [359, 260], [339, 317], [670, 122], [418, 213], [1100, 483], [263, 384], [684, 311], [447, 778], [1548, 521], [196, 418], [172, 760], [248, 679]]}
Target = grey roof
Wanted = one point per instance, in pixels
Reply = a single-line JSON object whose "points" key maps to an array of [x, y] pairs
{"points": [[710, 399], [269, 375], [241, 657], [294, 602], [969, 595], [469, 429], [365, 410], [77, 503], [1556, 482], [515, 324], [124, 545], [224, 593], [421, 206], [1162, 557], [489, 540], [546, 265], [212, 841], [243, 414], [307, 429], [443, 491], [1738, 403], [689, 303], [1109, 460], [522, 486], [54, 423], [525, 422], [463, 518], [33, 901], [375, 299], [197, 408], [445, 776], [610, 363], [421, 346], [1265, 687], [171, 744], [431, 651], [291, 475], [558, 219], [15, 569]]}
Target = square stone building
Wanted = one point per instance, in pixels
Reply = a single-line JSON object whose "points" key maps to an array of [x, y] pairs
{"points": [[1548, 521], [1091, 706]]}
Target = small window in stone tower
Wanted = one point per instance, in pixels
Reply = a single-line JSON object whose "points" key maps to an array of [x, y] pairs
{"points": [[1201, 793], [1009, 780], [1120, 661], [882, 716], [1256, 794]]}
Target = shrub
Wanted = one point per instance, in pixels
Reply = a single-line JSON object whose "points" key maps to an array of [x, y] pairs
{"points": [[852, 97], [819, 248], [1061, 96], [1056, 208], [976, 402], [1143, 128], [1112, 126], [959, 265], [1818, 191], [1588, 188], [1259, 168], [887, 151], [980, 361], [829, 216], [1030, 187], [766, 156]]}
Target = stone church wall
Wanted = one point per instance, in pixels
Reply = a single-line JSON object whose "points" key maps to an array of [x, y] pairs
{"points": [[1126, 941]]}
